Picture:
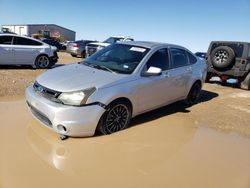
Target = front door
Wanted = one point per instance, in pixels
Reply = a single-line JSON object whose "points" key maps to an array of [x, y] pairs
{"points": [[156, 91]]}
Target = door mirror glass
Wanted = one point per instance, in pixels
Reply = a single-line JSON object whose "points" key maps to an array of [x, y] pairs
{"points": [[152, 71]]}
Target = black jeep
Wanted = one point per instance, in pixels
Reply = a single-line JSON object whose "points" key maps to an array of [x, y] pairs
{"points": [[229, 60]]}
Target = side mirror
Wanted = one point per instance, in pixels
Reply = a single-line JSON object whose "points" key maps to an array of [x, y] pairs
{"points": [[152, 71]]}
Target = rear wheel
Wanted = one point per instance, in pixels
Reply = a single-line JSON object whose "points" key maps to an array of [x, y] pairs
{"points": [[245, 84], [194, 94], [116, 118], [42, 62]]}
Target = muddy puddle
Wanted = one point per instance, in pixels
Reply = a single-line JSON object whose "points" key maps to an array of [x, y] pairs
{"points": [[167, 151]]}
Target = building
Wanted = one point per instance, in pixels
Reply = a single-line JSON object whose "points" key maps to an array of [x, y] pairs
{"points": [[53, 30]]}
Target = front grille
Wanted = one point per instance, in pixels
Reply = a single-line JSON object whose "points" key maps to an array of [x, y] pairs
{"points": [[39, 115], [45, 92]]}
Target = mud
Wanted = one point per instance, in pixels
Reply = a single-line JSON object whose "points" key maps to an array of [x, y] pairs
{"points": [[170, 147]]}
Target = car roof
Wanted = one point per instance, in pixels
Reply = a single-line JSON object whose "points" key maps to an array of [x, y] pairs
{"points": [[229, 42], [119, 37], [8, 34], [149, 44], [16, 35]]}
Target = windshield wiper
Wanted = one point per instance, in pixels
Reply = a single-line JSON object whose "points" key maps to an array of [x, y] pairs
{"points": [[102, 67]]}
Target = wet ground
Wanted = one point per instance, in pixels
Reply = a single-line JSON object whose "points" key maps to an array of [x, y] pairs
{"points": [[207, 145]]}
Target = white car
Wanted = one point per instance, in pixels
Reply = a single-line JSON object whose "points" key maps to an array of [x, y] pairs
{"points": [[93, 47], [115, 84], [20, 50]]}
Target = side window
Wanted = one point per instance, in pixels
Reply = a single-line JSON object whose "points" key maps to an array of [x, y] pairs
{"points": [[249, 51], [159, 59], [192, 59], [179, 57], [25, 41], [6, 40]]}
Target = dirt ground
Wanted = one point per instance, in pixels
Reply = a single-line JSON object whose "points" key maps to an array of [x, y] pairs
{"points": [[14, 80], [206, 145]]}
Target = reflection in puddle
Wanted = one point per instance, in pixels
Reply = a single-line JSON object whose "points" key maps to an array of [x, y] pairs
{"points": [[171, 151], [132, 148]]}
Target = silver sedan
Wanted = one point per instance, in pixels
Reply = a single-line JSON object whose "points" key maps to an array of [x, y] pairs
{"points": [[114, 85]]}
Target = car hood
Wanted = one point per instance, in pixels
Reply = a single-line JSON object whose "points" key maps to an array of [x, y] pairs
{"points": [[99, 44], [77, 77]]}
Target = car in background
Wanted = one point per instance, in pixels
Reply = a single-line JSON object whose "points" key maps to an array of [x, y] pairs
{"points": [[77, 48], [55, 43], [119, 82], [20, 50], [91, 48], [201, 55], [229, 59], [65, 43]]}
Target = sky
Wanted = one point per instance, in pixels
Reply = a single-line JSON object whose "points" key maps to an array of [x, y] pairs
{"points": [[189, 23]]}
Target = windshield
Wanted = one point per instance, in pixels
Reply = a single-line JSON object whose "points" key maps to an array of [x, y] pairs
{"points": [[112, 40], [119, 58]]}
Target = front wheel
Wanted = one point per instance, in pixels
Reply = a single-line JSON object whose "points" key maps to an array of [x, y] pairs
{"points": [[116, 118], [194, 94], [42, 62]]}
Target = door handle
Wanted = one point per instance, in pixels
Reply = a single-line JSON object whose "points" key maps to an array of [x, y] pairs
{"points": [[166, 74], [189, 69]]}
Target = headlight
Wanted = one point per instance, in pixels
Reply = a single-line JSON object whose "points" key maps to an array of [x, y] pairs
{"points": [[77, 98]]}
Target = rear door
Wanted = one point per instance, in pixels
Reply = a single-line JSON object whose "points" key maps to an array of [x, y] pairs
{"points": [[6, 50], [26, 50], [181, 72]]}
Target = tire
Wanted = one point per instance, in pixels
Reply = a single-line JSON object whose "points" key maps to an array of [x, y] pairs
{"points": [[73, 55], [245, 84], [194, 94], [116, 118], [83, 54], [222, 57], [42, 62]]}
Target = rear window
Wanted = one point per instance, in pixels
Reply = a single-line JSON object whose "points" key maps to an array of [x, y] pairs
{"points": [[238, 48], [192, 59], [6, 39], [78, 42]]}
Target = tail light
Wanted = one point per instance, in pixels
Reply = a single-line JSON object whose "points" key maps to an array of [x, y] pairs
{"points": [[76, 45]]}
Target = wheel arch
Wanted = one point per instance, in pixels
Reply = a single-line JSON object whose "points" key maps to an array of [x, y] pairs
{"points": [[196, 81], [122, 99]]}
